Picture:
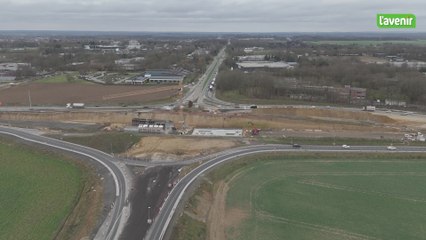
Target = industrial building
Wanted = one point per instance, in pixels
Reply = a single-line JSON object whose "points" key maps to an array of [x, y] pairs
{"points": [[7, 77], [251, 58], [354, 93], [138, 80], [163, 76], [115, 48], [8, 70], [134, 45], [253, 49], [153, 126], [263, 64]]}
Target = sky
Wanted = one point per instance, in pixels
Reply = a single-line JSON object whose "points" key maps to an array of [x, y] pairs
{"points": [[205, 15]]}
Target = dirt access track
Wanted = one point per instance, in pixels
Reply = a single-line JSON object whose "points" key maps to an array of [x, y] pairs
{"points": [[277, 120], [62, 93]]}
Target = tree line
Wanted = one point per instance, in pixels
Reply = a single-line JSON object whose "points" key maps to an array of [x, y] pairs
{"points": [[382, 81]]}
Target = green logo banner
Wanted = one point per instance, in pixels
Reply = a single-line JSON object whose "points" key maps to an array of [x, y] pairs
{"points": [[400, 20]]}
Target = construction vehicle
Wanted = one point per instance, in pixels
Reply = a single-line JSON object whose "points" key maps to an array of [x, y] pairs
{"points": [[369, 108], [254, 131]]}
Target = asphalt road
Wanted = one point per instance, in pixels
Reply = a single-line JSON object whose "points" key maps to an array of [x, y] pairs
{"points": [[197, 93], [162, 221], [108, 229]]}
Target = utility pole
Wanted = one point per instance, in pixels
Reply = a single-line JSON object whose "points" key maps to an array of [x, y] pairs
{"points": [[29, 98], [334, 137]]}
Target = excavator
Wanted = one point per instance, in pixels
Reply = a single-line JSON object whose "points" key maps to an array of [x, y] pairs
{"points": [[254, 131]]}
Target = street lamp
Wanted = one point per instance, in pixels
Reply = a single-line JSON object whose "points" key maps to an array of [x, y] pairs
{"points": [[149, 221]]}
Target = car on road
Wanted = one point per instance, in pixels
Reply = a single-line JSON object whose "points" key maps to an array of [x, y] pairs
{"points": [[346, 146], [295, 145], [391, 148]]}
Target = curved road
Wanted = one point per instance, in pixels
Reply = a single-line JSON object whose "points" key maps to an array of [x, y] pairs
{"points": [[108, 230], [162, 221]]}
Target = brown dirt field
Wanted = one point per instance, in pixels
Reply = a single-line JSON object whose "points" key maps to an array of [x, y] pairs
{"points": [[179, 145], [215, 226], [62, 93], [328, 113], [413, 121]]}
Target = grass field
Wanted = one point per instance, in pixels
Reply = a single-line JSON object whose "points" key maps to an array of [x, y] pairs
{"points": [[331, 197], [188, 229], [37, 192], [63, 78], [420, 42], [112, 142]]}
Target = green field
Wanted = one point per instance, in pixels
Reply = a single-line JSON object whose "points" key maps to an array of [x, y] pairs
{"points": [[420, 42], [37, 192], [346, 197], [188, 229], [63, 78], [111, 142]]}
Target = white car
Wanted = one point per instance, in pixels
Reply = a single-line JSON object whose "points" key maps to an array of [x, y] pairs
{"points": [[346, 146], [391, 148]]}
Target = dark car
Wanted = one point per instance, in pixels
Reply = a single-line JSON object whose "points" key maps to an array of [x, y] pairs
{"points": [[296, 145]]}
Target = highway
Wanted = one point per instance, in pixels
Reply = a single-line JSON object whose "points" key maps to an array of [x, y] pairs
{"points": [[162, 222], [197, 93], [109, 229]]}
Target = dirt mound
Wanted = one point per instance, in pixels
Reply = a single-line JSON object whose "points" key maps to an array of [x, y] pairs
{"points": [[179, 146]]}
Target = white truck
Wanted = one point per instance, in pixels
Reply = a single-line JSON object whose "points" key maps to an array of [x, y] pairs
{"points": [[75, 105], [370, 108]]}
